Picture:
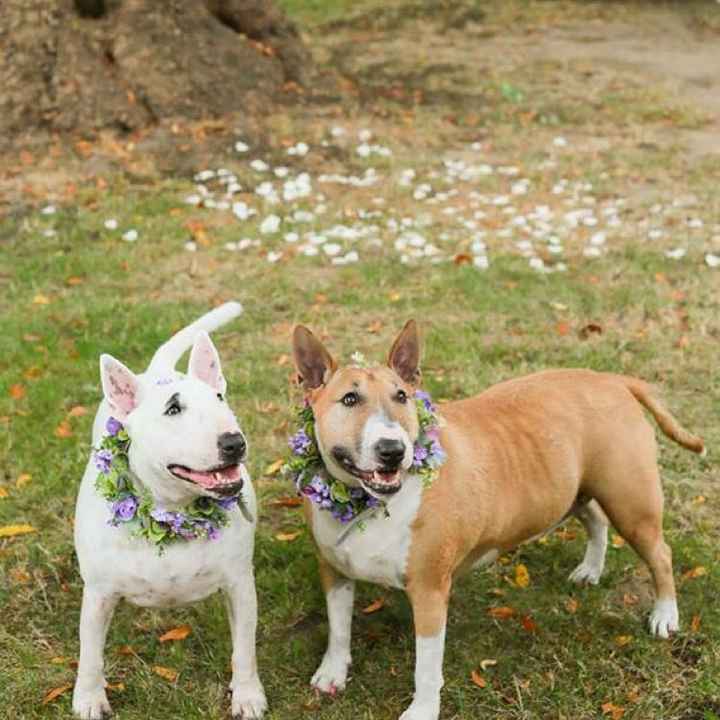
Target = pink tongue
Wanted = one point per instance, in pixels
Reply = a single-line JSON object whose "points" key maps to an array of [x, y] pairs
{"points": [[209, 480]]}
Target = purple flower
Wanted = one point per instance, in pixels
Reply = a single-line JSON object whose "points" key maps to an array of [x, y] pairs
{"points": [[357, 493], [175, 520], [103, 461], [228, 502], [437, 455], [113, 426], [419, 455], [300, 442], [213, 533], [124, 510], [426, 399]]}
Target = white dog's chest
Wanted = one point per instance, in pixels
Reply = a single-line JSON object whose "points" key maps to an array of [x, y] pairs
{"points": [[379, 551]]}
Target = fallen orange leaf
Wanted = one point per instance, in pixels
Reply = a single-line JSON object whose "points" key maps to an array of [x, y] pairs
{"points": [[3, 492], [622, 640], [462, 259], [478, 679], [615, 711], [78, 411], [522, 576], [32, 373], [529, 625], [696, 572], [41, 300], [178, 633], [274, 468], [562, 328], [55, 693], [115, 687], [374, 606], [288, 537], [167, 673], [287, 502], [571, 605], [17, 391], [617, 541], [501, 613], [63, 430], [75, 280], [13, 530], [23, 479], [695, 623]]}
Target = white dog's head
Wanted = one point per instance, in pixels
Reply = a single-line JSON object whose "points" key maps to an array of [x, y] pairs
{"points": [[184, 439]]}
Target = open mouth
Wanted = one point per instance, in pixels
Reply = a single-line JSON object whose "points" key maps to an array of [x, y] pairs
{"points": [[223, 480], [381, 481]]}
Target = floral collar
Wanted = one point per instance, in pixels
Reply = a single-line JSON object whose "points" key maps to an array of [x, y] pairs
{"points": [[350, 504], [202, 518]]}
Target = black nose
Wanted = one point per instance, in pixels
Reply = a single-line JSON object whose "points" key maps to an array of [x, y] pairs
{"points": [[232, 446], [390, 452]]}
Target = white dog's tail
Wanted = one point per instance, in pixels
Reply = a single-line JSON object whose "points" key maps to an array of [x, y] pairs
{"points": [[168, 354]]}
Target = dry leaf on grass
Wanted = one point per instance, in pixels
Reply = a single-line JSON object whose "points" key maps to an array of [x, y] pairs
{"points": [[478, 679], [78, 411], [614, 711], [571, 605], [623, 640], [286, 502], [13, 530], [501, 613], [288, 537], [63, 430], [274, 468], [522, 576], [696, 572], [374, 606], [167, 673], [177, 633], [17, 391], [55, 693]]}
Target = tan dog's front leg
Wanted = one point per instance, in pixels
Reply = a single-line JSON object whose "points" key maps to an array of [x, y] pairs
{"points": [[429, 604], [331, 676]]}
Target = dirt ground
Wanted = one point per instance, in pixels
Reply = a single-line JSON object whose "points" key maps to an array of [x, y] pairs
{"points": [[395, 67]]}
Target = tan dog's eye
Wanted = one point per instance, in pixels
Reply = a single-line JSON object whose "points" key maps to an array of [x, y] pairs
{"points": [[401, 396], [350, 399]]}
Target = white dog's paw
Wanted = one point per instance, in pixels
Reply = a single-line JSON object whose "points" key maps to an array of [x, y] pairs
{"points": [[664, 618], [91, 705], [586, 573], [331, 676], [422, 711], [248, 701]]}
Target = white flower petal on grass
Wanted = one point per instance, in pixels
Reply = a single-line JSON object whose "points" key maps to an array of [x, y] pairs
{"points": [[241, 147], [291, 237], [270, 224], [481, 262], [560, 142], [111, 224], [259, 165], [655, 234], [193, 200], [337, 131], [712, 260], [273, 256], [242, 211], [365, 135], [598, 239], [331, 249], [232, 246], [300, 149], [695, 223], [204, 175], [309, 250], [48, 210], [49, 232], [191, 246], [536, 263], [246, 243], [281, 171], [130, 236], [592, 252], [676, 253]]}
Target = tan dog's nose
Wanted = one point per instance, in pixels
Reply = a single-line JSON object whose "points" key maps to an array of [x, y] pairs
{"points": [[390, 452]]}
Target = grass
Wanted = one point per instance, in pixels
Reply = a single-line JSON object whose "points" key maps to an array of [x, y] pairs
{"points": [[82, 291]]}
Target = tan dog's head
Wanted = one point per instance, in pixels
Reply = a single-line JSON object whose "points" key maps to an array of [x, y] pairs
{"points": [[366, 420]]}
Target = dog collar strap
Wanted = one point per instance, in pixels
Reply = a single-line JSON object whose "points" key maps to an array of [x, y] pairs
{"points": [[351, 505], [202, 518]]}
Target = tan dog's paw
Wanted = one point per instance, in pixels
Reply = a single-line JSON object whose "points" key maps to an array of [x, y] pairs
{"points": [[92, 705], [248, 701], [664, 618], [331, 676], [422, 711]]}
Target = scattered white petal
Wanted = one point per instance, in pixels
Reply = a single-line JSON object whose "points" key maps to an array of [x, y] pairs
{"points": [[598, 239], [676, 253], [273, 257], [241, 147], [259, 165], [560, 142], [49, 210], [592, 252], [270, 224], [712, 260], [695, 223], [291, 237], [111, 224], [130, 236], [191, 246], [365, 135]]}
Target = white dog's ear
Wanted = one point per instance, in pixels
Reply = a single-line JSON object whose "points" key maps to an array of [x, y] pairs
{"points": [[120, 386], [313, 362], [404, 356], [205, 363]]}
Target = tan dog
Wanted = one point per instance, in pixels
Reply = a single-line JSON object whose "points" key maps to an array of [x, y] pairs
{"points": [[521, 457]]}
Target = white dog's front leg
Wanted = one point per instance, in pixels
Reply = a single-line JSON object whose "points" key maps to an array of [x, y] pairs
{"points": [[331, 676], [248, 696], [429, 652], [89, 699]]}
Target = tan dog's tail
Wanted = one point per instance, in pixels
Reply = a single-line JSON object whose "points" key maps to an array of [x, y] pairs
{"points": [[646, 395]]}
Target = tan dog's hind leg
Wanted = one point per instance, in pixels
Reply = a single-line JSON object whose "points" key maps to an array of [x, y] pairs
{"points": [[596, 526], [635, 510], [430, 604], [331, 676]]}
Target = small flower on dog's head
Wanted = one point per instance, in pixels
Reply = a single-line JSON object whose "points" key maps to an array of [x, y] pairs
{"points": [[113, 426], [426, 400]]}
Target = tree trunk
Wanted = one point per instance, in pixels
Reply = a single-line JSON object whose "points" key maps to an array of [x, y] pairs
{"points": [[125, 64]]}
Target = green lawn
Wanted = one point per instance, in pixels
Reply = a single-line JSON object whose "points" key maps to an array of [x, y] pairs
{"points": [[72, 289]]}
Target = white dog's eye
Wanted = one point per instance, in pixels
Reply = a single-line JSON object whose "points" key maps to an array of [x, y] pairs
{"points": [[173, 409]]}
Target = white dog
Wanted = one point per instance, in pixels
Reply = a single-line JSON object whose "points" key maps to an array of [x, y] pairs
{"points": [[140, 531]]}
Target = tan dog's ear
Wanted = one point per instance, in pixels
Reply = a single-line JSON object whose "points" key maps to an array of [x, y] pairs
{"points": [[313, 362], [404, 356]]}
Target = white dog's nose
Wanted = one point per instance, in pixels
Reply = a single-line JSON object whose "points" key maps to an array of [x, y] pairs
{"points": [[232, 446]]}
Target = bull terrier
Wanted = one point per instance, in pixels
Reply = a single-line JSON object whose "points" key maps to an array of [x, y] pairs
{"points": [[165, 512], [519, 458]]}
